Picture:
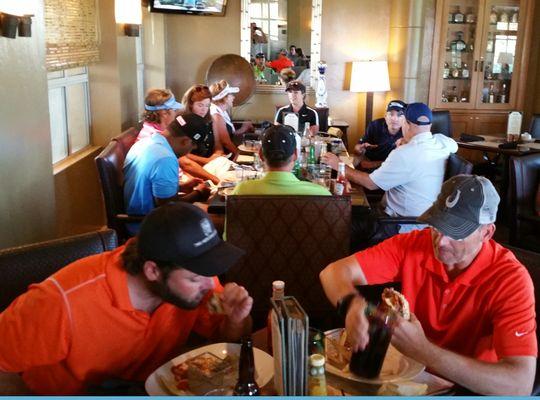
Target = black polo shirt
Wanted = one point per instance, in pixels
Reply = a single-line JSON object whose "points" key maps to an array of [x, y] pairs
{"points": [[305, 114], [377, 133]]}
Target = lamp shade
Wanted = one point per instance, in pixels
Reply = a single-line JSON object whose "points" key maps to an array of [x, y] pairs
{"points": [[18, 7], [128, 12], [370, 76]]}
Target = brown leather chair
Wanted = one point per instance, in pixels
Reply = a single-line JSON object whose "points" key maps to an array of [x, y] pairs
{"points": [[24, 265], [442, 123], [534, 129], [524, 181], [531, 260], [288, 238], [110, 163]]}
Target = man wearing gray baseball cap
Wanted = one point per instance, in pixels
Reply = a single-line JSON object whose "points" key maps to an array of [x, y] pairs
{"points": [[472, 303]]}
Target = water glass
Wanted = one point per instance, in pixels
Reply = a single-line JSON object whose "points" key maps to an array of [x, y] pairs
{"points": [[239, 171]]}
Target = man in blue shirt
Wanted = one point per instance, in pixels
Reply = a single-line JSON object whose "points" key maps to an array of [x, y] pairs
{"points": [[151, 169], [381, 136]]}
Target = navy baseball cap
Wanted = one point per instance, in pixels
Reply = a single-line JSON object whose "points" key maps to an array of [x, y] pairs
{"points": [[183, 235], [418, 114], [278, 143], [396, 105]]}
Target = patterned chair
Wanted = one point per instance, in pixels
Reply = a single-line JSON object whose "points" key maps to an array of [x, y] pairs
{"points": [[289, 238], [24, 265]]}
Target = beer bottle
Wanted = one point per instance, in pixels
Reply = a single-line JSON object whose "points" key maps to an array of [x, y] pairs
{"points": [[246, 385]]}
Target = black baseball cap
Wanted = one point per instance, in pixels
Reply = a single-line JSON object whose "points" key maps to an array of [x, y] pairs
{"points": [[191, 125], [278, 143], [260, 55], [465, 203], [182, 234], [396, 105], [296, 86]]}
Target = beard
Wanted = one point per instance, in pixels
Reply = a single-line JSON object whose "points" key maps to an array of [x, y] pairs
{"points": [[165, 293]]}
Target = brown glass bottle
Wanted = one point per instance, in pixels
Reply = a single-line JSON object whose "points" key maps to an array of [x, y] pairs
{"points": [[246, 385], [368, 362]]}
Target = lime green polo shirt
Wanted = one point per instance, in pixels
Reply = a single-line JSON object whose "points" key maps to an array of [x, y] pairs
{"points": [[280, 183]]}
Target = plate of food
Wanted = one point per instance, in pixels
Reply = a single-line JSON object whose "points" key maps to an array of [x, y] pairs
{"points": [[206, 369], [396, 367]]}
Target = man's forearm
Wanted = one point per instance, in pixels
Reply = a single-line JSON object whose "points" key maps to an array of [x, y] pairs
{"points": [[513, 376], [339, 278], [232, 331], [12, 384], [360, 178]]}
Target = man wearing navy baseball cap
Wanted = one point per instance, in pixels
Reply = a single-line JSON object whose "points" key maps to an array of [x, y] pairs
{"points": [[411, 176], [472, 318], [381, 136]]}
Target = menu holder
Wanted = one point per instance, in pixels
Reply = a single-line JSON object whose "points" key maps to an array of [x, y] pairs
{"points": [[290, 332]]}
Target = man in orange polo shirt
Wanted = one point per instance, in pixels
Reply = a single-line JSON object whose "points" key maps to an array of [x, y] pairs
{"points": [[473, 318], [122, 314]]}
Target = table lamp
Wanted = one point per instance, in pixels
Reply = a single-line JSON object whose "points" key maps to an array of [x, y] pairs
{"points": [[369, 77]]}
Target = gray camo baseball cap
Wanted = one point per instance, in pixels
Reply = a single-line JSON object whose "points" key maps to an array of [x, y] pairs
{"points": [[465, 203]]}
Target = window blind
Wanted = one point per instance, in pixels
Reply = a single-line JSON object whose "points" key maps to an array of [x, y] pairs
{"points": [[71, 33]]}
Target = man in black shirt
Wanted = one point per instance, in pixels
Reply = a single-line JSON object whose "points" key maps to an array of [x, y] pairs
{"points": [[381, 136], [297, 95]]}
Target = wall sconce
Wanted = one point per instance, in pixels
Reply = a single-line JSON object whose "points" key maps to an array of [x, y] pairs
{"points": [[129, 13], [369, 77], [16, 15]]}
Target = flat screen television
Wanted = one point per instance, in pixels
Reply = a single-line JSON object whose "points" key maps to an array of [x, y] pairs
{"points": [[194, 7]]}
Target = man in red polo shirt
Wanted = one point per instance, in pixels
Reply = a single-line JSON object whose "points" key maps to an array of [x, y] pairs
{"points": [[473, 318], [122, 314]]}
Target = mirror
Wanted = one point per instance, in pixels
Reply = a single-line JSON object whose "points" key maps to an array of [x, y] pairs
{"points": [[267, 26]]}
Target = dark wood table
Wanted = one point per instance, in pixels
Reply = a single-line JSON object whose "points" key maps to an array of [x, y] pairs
{"points": [[491, 145]]}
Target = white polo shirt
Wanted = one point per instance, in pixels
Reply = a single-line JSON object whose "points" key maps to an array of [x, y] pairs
{"points": [[413, 174]]}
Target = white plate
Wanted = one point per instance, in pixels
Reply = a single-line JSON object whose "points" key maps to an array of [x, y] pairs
{"points": [[264, 366], [396, 366], [245, 149]]}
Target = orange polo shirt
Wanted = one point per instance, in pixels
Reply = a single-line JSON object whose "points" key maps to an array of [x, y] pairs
{"points": [[487, 312], [79, 327]]}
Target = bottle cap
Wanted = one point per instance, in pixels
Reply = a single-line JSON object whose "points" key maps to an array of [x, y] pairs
{"points": [[316, 360], [278, 285]]}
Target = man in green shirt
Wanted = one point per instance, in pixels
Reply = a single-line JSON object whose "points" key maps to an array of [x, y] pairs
{"points": [[278, 152]]}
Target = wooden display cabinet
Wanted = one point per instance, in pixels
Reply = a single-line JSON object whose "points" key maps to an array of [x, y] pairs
{"points": [[480, 60]]}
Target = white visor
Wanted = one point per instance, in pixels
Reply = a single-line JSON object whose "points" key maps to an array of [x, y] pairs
{"points": [[225, 92]]}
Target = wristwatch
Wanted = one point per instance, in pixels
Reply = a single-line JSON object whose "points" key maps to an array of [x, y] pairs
{"points": [[344, 303]]}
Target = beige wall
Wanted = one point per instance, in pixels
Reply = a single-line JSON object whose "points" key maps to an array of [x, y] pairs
{"points": [[299, 24], [351, 30], [532, 98], [27, 201], [154, 49]]}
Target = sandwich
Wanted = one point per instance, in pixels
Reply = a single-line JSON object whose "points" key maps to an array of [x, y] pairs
{"points": [[396, 302]]}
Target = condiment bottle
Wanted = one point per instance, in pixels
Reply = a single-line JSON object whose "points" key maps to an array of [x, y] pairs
{"points": [[317, 378], [278, 292]]}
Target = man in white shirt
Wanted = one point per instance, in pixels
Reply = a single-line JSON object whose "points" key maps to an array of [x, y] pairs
{"points": [[411, 176]]}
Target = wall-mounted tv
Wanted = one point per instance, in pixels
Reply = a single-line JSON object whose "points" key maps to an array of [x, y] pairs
{"points": [[194, 7]]}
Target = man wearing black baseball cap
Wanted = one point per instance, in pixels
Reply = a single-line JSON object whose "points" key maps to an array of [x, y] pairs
{"points": [[471, 301], [278, 153], [411, 177], [151, 170], [381, 136], [296, 91], [123, 313]]}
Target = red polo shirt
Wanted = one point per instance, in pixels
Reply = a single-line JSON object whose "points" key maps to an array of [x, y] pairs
{"points": [[487, 312], [280, 63], [79, 327]]}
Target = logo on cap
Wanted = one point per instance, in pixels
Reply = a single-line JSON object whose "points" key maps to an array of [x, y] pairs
{"points": [[181, 120], [208, 231], [452, 203], [197, 136]]}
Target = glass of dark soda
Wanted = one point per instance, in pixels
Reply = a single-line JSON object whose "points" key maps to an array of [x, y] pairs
{"points": [[367, 363]]}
